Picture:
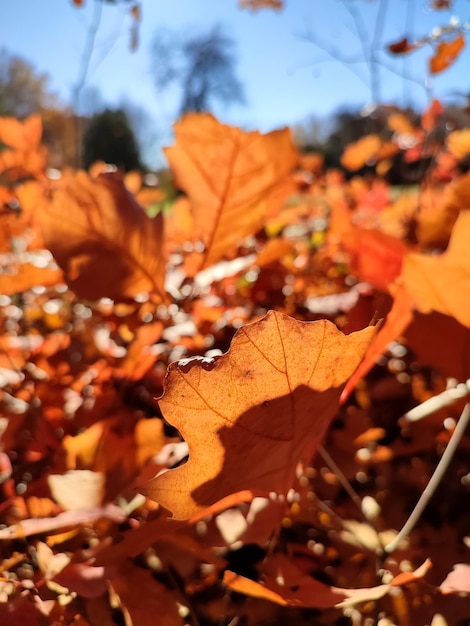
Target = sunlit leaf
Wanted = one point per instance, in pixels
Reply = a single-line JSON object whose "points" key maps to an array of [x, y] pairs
{"points": [[442, 283], [270, 398], [446, 54], [228, 175], [361, 152]]}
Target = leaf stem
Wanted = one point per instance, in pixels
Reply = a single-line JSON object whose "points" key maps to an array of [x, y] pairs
{"points": [[434, 481], [343, 481]]}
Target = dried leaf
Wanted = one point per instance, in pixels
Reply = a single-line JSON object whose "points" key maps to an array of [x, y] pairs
{"points": [[403, 46], [458, 580], [77, 489], [442, 283], [70, 518], [228, 175], [431, 114], [143, 599], [361, 152], [23, 136], [270, 398], [299, 589], [459, 143], [102, 239], [397, 321], [446, 54], [376, 257]]}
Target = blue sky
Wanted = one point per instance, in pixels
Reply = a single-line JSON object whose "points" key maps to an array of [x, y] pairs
{"points": [[285, 76]]}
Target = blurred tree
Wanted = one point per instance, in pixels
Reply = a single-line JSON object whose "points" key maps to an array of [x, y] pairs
{"points": [[110, 138], [201, 66], [22, 90], [144, 127]]}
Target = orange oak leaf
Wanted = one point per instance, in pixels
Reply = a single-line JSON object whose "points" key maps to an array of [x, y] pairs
{"points": [[22, 136], [361, 152], [251, 415], [228, 175], [102, 239], [442, 283], [431, 115], [300, 589], [24, 155], [446, 53], [24, 276], [399, 123], [376, 257], [397, 321], [459, 143]]}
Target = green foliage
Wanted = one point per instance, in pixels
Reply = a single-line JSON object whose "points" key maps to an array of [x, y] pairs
{"points": [[110, 138]]}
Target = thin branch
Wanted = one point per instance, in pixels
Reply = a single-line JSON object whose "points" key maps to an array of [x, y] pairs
{"points": [[88, 51], [437, 402], [434, 481], [343, 481], [83, 72]]}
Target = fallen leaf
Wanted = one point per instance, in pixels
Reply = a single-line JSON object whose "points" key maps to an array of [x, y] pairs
{"points": [[143, 599], [102, 239], [441, 342], [431, 115], [442, 283], [270, 398], [359, 153], [288, 586], [399, 123], [24, 276], [376, 258], [30, 527], [458, 580], [397, 321], [228, 175], [77, 489], [458, 142], [22, 136]]}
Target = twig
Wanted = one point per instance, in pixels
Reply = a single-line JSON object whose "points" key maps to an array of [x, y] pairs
{"points": [[84, 70], [352, 493], [343, 481], [437, 402], [434, 481]]}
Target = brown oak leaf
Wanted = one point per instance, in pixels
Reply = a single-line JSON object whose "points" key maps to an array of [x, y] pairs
{"points": [[102, 239]]}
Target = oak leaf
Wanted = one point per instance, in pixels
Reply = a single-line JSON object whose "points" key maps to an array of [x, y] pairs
{"points": [[446, 53], [459, 143], [403, 46], [102, 239], [359, 153], [228, 175], [21, 136], [251, 415], [442, 283], [431, 115], [398, 319], [299, 589], [376, 257]]}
